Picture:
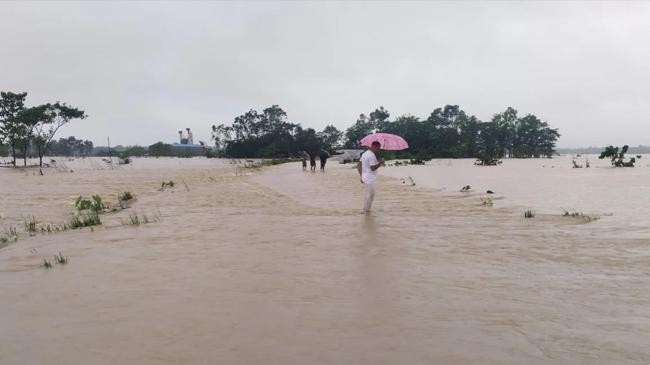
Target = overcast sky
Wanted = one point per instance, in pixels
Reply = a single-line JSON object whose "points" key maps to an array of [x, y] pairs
{"points": [[142, 71]]}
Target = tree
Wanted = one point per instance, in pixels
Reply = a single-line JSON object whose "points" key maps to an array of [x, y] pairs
{"points": [[11, 130], [160, 149], [505, 123], [361, 128], [29, 119], [617, 158], [307, 140], [71, 146], [49, 119], [221, 134], [489, 146], [330, 137]]}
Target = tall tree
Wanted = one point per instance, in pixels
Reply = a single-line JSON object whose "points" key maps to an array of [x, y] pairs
{"points": [[29, 118], [361, 128], [331, 137], [49, 119], [11, 130]]}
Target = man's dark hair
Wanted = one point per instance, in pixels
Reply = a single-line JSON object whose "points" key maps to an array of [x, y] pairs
{"points": [[376, 144]]}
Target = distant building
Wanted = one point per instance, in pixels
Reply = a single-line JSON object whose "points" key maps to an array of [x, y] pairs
{"points": [[186, 146]]}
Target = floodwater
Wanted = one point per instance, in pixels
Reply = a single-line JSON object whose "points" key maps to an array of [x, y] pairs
{"points": [[278, 267]]}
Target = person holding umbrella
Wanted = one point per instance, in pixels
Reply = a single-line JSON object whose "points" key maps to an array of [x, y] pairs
{"points": [[367, 167], [368, 163]]}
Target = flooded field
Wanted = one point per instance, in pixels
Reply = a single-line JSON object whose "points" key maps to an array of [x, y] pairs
{"points": [[277, 266]]}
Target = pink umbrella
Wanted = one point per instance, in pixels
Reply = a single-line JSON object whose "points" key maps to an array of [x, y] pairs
{"points": [[388, 141]]}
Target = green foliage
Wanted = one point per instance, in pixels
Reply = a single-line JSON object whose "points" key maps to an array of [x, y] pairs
{"points": [[330, 137], [71, 146], [161, 149], [361, 128], [84, 220], [447, 132], [450, 132], [95, 204], [617, 157], [22, 127], [12, 131], [131, 151], [4, 149]]}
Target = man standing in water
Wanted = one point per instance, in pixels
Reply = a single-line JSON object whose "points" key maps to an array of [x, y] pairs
{"points": [[367, 167]]}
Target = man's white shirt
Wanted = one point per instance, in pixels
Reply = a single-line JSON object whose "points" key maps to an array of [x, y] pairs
{"points": [[368, 159]]}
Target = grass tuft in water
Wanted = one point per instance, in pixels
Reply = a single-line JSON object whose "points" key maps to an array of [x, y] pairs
{"points": [[529, 213], [30, 225], [60, 259], [124, 197], [136, 220], [85, 220], [167, 184], [46, 264]]}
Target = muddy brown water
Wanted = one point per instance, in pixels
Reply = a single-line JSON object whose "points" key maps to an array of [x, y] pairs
{"points": [[278, 267]]}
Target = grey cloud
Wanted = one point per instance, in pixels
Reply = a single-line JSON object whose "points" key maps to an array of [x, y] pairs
{"points": [[144, 70]]}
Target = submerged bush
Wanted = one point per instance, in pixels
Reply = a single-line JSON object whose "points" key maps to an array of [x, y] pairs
{"points": [[617, 158], [124, 197], [85, 220], [95, 204], [168, 184]]}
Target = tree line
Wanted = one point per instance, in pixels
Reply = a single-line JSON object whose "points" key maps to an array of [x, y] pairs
{"points": [[25, 129], [269, 134], [446, 132]]}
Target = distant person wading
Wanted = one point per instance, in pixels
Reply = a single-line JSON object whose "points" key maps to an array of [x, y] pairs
{"points": [[312, 162], [324, 155], [305, 157], [367, 167]]}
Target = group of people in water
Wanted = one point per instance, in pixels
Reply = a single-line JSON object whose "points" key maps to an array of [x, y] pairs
{"points": [[322, 155]]}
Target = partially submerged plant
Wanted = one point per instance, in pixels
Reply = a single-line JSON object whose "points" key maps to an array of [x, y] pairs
{"points": [[486, 201], [30, 225], [60, 259], [84, 220], [46, 264], [466, 189], [95, 204], [576, 214], [617, 158], [9, 235], [250, 164], [168, 184], [136, 220], [529, 213], [124, 197], [486, 160]]}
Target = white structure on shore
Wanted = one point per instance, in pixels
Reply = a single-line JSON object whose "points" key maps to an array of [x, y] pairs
{"points": [[186, 141]]}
